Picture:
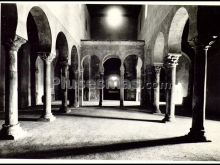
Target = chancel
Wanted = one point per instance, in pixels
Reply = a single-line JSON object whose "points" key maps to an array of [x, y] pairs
{"points": [[110, 81]]}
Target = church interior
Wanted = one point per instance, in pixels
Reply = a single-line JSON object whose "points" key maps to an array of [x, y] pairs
{"points": [[109, 81]]}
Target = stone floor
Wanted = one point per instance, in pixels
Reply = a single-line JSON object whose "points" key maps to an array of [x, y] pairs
{"points": [[109, 134]]}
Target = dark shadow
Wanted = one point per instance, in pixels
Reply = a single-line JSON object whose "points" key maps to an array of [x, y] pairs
{"points": [[30, 112], [28, 119], [134, 109], [63, 151], [107, 117]]}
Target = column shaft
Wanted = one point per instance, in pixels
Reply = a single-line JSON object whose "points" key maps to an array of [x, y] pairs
{"points": [[76, 98], [172, 93], [171, 63], [157, 69], [64, 107], [47, 114], [197, 130], [101, 89], [11, 129], [81, 86], [122, 87]]}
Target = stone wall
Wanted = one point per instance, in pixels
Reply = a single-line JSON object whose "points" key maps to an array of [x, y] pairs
{"points": [[159, 18], [71, 19]]}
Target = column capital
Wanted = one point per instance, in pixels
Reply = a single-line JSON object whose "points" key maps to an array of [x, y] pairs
{"points": [[15, 44], [172, 59], [205, 42], [157, 67], [101, 69], [46, 56], [195, 42], [122, 69]]}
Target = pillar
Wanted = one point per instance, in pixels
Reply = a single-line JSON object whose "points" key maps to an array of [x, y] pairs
{"points": [[157, 68], [81, 86], [101, 88], [197, 131], [36, 74], [11, 129], [138, 87], [143, 97], [122, 70], [171, 61], [64, 80], [76, 98], [47, 113]]}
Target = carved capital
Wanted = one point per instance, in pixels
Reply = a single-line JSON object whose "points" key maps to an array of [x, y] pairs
{"points": [[211, 42], [122, 69], [172, 59], [102, 73], [195, 42], [101, 69], [15, 44], [157, 67], [47, 57], [204, 42]]}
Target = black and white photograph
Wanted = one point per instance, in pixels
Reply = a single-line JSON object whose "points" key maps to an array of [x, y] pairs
{"points": [[110, 82]]}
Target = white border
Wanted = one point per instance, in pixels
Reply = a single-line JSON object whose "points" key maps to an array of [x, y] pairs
{"points": [[66, 161]]}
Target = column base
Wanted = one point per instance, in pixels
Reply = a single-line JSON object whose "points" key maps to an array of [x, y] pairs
{"points": [[12, 132], [156, 111], [121, 104], [72, 106], [168, 119], [47, 118], [197, 136], [64, 109], [76, 105]]}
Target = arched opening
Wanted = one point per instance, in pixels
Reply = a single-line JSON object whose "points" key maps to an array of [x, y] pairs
{"points": [[38, 29], [176, 30], [178, 43], [91, 74], [74, 77], [24, 81], [132, 65], [39, 80], [112, 79], [158, 53], [9, 20], [60, 60], [39, 40]]}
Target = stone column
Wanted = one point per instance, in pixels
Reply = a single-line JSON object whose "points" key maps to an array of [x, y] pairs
{"points": [[47, 114], [81, 86], [138, 87], [143, 88], [197, 131], [122, 70], [76, 98], [11, 129], [89, 92], [157, 68], [101, 88], [64, 80], [171, 61]]}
